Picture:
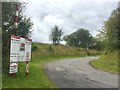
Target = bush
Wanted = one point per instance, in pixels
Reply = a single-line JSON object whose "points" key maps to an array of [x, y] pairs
{"points": [[50, 48], [34, 47], [88, 53]]}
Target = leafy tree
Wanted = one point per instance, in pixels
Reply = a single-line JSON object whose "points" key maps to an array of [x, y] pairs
{"points": [[56, 34], [101, 37], [95, 44], [111, 31], [112, 27], [8, 29], [80, 38]]}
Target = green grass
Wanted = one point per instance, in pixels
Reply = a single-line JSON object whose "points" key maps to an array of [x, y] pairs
{"points": [[107, 62], [43, 54], [36, 77]]}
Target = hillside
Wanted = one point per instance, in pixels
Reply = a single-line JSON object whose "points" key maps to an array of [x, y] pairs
{"points": [[41, 53], [108, 62]]}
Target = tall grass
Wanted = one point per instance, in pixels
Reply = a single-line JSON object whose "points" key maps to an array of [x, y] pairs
{"points": [[45, 50]]}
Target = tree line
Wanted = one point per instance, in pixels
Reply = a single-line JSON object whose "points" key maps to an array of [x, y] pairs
{"points": [[80, 38], [108, 37]]}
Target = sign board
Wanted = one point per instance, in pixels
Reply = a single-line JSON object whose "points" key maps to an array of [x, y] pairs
{"points": [[13, 68], [28, 49], [15, 48], [20, 49]]}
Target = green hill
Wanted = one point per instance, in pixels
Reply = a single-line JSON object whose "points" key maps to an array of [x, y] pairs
{"points": [[42, 53]]}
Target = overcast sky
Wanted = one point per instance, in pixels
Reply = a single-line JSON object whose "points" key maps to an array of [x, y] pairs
{"points": [[69, 15]]}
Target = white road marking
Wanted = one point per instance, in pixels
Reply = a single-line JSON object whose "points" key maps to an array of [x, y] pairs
{"points": [[59, 68]]}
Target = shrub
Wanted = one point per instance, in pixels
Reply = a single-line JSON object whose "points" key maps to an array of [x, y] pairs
{"points": [[34, 47], [50, 48]]}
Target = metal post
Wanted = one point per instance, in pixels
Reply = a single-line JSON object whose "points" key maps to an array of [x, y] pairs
{"points": [[16, 15], [16, 24]]}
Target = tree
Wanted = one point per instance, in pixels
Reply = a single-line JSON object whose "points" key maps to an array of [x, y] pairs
{"points": [[56, 34], [80, 38], [112, 27], [8, 13], [111, 31], [95, 44]]}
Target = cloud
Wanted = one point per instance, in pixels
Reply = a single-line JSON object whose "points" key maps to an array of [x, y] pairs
{"points": [[69, 14]]}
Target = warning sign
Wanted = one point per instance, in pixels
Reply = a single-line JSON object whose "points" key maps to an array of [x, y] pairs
{"points": [[20, 49], [13, 68]]}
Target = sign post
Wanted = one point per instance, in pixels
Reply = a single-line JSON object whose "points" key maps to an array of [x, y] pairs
{"points": [[20, 51]]}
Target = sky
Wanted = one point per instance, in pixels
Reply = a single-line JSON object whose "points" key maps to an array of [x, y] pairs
{"points": [[69, 15]]}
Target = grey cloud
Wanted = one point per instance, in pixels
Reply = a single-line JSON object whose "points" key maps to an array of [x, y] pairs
{"points": [[90, 17]]}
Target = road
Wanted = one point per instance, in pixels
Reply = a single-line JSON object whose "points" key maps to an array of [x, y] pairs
{"points": [[77, 73]]}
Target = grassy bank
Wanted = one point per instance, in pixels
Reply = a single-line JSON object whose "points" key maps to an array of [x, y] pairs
{"points": [[41, 54], [46, 50], [107, 62]]}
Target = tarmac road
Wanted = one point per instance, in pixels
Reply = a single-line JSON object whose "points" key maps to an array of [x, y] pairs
{"points": [[77, 73]]}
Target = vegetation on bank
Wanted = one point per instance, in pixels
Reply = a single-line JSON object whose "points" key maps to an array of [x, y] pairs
{"points": [[107, 62], [45, 50], [110, 38]]}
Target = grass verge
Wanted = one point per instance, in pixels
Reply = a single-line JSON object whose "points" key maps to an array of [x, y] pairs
{"points": [[107, 62], [36, 77]]}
